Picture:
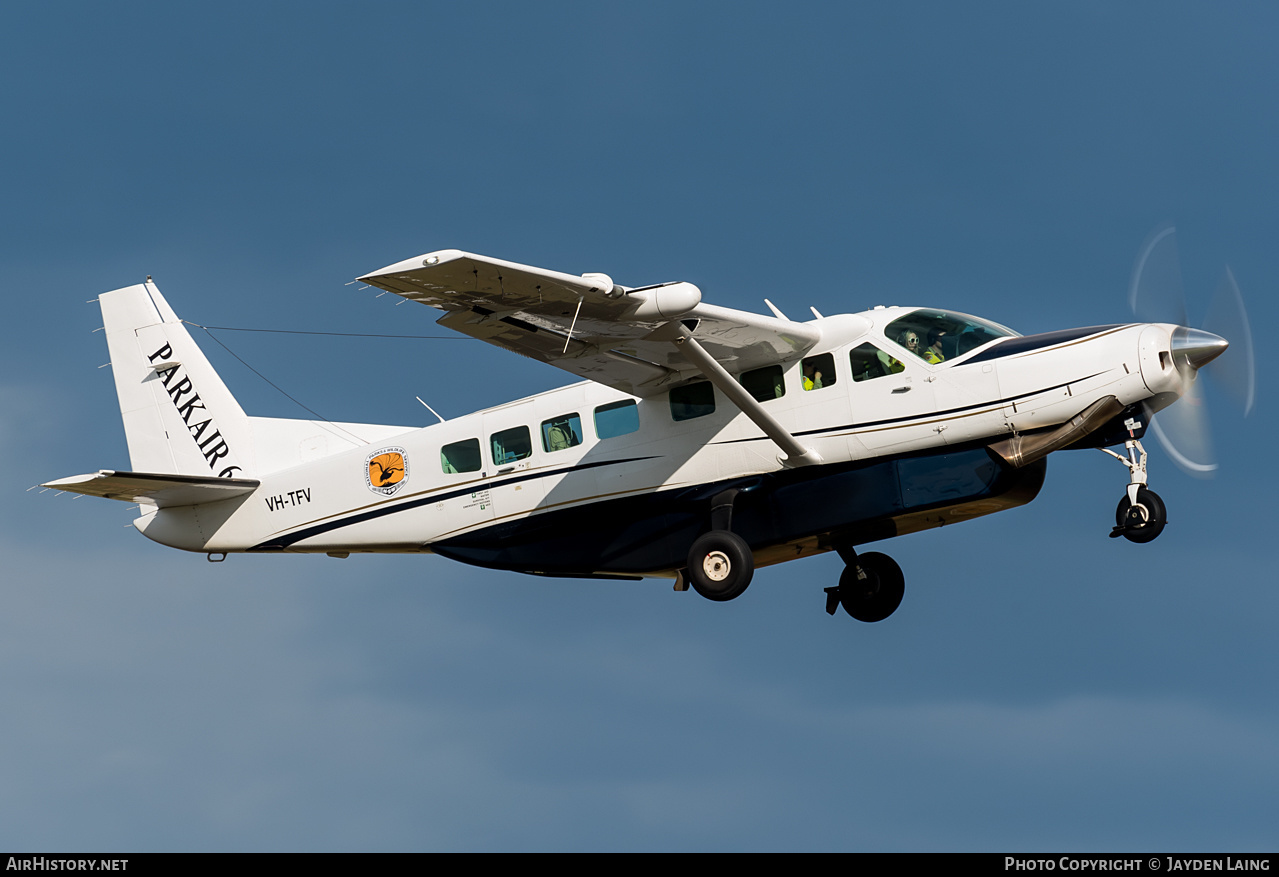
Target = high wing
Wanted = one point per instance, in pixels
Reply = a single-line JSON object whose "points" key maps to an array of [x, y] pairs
{"points": [[589, 326]]}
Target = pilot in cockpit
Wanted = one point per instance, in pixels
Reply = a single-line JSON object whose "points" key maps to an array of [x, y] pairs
{"points": [[910, 340], [933, 354]]}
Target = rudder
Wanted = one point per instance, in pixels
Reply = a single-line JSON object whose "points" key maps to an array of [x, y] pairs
{"points": [[179, 417]]}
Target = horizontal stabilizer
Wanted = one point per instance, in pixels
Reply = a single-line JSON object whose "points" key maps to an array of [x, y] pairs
{"points": [[156, 488]]}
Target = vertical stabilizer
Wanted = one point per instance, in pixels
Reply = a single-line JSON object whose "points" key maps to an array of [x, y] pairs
{"points": [[178, 415]]}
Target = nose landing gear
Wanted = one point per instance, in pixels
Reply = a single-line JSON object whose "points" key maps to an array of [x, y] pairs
{"points": [[1141, 514]]}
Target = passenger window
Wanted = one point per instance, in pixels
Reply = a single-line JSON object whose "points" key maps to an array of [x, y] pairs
{"points": [[765, 383], [460, 457], [616, 418], [561, 433], [819, 372], [510, 445], [694, 400], [869, 362]]}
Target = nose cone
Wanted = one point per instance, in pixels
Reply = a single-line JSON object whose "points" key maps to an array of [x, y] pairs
{"points": [[1195, 347]]}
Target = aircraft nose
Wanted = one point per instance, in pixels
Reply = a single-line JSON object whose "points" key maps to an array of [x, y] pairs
{"points": [[1195, 347]]}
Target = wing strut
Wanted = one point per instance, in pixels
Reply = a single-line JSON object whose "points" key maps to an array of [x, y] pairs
{"points": [[796, 453]]}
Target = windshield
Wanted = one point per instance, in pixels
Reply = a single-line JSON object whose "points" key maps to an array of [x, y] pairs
{"points": [[939, 336]]}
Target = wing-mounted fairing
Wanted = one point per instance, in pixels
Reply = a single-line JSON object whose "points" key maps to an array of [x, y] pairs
{"points": [[588, 325]]}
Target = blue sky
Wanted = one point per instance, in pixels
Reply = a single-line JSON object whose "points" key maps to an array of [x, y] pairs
{"points": [[1041, 687]]}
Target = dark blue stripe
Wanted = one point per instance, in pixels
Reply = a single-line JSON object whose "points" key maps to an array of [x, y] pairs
{"points": [[281, 542], [1025, 343]]}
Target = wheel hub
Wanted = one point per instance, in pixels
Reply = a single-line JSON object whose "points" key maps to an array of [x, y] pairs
{"points": [[717, 566]]}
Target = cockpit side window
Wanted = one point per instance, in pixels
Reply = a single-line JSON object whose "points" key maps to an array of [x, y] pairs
{"points": [[869, 362], [940, 336]]}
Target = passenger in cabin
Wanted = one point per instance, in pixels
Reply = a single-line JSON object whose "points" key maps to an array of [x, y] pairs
{"points": [[888, 365], [812, 378], [560, 437]]}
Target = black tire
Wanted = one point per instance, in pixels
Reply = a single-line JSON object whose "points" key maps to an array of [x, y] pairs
{"points": [[872, 588], [720, 565], [1145, 521]]}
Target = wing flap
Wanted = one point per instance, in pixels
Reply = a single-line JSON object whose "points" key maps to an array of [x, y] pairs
{"points": [[156, 488], [593, 362]]}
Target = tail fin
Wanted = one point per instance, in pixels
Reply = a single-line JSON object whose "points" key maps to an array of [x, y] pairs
{"points": [[179, 418]]}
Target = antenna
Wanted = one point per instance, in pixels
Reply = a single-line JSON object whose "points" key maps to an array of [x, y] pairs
{"points": [[429, 408]]}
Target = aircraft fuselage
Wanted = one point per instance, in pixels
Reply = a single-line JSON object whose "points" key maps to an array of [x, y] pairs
{"points": [[577, 482]]}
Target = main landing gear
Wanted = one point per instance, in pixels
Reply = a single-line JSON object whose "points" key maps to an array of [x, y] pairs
{"points": [[720, 564], [1141, 514], [720, 567], [870, 588]]}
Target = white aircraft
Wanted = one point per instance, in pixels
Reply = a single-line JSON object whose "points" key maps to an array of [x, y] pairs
{"points": [[703, 443]]}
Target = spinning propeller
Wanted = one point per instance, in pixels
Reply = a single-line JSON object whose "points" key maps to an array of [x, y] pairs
{"points": [[1156, 296]]}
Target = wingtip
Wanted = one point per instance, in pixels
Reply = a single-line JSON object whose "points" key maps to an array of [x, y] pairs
{"points": [[426, 260]]}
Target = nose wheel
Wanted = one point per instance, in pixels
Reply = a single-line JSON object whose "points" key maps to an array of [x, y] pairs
{"points": [[1141, 514], [1140, 521]]}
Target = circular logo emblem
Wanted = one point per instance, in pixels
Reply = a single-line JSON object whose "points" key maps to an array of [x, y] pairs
{"points": [[386, 471]]}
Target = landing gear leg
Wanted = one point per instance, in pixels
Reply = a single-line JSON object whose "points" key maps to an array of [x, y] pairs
{"points": [[870, 588], [1141, 514]]}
